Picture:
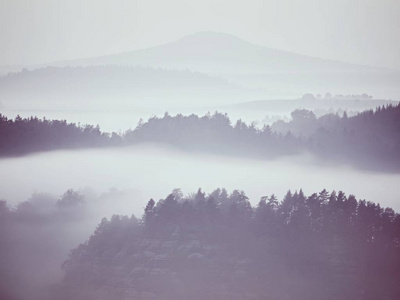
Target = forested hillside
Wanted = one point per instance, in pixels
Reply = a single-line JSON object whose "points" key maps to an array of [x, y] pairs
{"points": [[217, 246], [371, 138]]}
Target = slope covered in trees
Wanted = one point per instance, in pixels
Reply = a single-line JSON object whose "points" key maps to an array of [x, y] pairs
{"points": [[217, 246], [371, 138]]}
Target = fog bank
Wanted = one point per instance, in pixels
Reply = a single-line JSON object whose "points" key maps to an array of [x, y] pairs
{"points": [[152, 171]]}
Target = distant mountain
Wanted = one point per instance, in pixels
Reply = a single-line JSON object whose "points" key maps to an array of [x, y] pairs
{"points": [[281, 73], [212, 52], [231, 70]]}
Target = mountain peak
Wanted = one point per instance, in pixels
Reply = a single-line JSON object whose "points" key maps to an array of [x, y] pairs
{"points": [[211, 34], [212, 37]]}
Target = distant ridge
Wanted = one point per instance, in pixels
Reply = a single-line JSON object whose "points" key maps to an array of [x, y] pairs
{"points": [[280, 74], [217, 52], [113, 86]]}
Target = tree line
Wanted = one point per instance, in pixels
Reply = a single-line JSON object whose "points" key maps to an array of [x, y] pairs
{"points": [[21, 136], [370, 139]]}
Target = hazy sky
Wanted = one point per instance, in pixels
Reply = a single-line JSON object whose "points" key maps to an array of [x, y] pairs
{"points": [[360, 31]]}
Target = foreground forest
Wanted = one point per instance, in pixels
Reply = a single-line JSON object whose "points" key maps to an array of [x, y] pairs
{"points": [[371, 139], [217, 246]]}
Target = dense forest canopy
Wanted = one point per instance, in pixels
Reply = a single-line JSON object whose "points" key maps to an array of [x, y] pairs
{"points": [[25, 135], [370, 139], [213, 133], [217, 246]]}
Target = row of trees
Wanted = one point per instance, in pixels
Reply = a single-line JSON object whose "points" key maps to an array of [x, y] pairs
{"points": [[217, 246], [26, 135], [369, 139], [213, 133]]}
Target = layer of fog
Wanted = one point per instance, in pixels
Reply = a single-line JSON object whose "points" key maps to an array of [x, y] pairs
{"points": [[153, 171]]}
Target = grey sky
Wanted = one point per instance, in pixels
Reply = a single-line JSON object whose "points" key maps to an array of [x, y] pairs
{"points": [[359, 31]]}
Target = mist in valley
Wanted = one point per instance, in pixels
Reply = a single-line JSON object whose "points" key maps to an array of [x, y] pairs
{"points": [[152, 171]]}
